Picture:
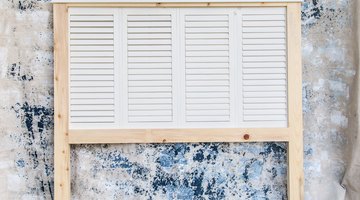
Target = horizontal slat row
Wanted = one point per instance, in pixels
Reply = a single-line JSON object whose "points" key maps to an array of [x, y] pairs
{"points": [[264, 71], [92, 89], [149, 63]]}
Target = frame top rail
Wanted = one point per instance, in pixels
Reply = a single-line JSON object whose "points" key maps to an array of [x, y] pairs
{"points": [[176, 1]]}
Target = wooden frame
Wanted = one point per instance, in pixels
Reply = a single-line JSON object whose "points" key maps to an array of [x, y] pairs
{"points": [[64, 137]]}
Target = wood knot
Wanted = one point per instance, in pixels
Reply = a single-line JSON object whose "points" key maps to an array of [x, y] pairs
{"points": [[164, 140], [59, 116], [246, 136]]}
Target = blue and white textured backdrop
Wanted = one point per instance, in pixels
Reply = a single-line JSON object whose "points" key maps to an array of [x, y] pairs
{"points": [[172, 171]]}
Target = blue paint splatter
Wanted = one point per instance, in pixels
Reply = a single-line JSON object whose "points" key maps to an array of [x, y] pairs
{"points": [[177, 173], [20, 163], [36, 120], [15, 72]]}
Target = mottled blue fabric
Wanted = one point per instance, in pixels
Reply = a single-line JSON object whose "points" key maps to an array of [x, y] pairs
{"points": [[181, 171]]}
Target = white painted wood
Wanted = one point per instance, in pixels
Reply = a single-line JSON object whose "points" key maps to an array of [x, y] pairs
{"points": [[153, 107], [150, 54], [264, 70], [142, 120], [118, 57], [92, 75], [123, 70], [263, 29], [177, 67], [207, 63]]}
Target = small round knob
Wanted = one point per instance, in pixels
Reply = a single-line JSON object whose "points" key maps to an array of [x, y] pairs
{"points": [[246, 136]]}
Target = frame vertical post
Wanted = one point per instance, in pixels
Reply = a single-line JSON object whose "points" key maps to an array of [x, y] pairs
{"points": [[295, 144], [61, 136]]}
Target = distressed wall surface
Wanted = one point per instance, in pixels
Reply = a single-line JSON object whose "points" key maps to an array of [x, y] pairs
{"points": [[178, 171]]}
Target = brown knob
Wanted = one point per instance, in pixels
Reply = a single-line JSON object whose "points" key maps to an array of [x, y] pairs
{"points": [[246, 136]]}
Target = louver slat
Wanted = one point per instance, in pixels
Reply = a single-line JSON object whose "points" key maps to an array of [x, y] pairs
{"points": [[149, 68], [92, 81], [264, 73], [207, 68]]}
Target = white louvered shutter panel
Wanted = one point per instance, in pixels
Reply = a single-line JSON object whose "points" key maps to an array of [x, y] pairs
{"points": [[177, 67], [92, 74], [264, 67], [150, 39], [208, 67]]}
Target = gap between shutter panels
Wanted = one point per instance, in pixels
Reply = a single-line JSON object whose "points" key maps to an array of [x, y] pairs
{"points": [[206, 68]]}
